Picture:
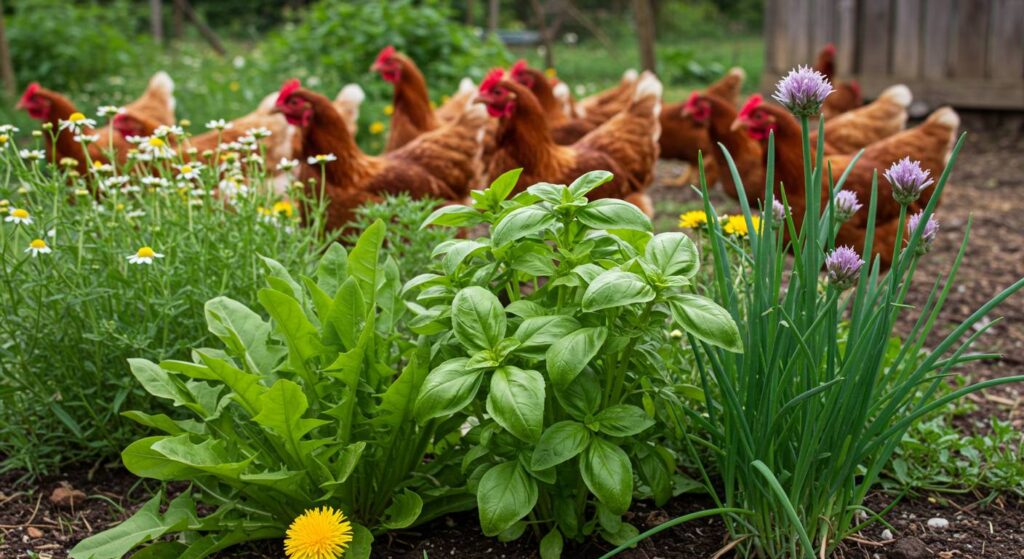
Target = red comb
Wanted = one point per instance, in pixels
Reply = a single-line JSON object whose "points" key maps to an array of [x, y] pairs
{"points": [[855, 86], [492, 79], [691, 101], [287, 89], [752, 103], [518, 67], [830, 49], [385, 54], [30, 91]]}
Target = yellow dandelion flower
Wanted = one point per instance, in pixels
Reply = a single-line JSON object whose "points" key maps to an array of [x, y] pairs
{"points": [[234, 86], [551, 73], [737, 225], [284, 207], [318, 534], [693, 219], [377, 127], [389, 109]]}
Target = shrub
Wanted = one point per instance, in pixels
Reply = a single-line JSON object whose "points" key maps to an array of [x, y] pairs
{"points": [[804, 421], [557, 380], [71, 317], [313, 408]]}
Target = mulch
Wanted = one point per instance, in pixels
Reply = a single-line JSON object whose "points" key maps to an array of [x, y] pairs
{"points": [[987, 185]]}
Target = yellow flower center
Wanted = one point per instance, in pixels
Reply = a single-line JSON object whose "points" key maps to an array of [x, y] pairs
{"points": [[96, 164], [318, 534], [20, 213], [145, 252], [4, 138], [37, 244], [185, 123], [76, 117], [156, 142], [185, 169]]}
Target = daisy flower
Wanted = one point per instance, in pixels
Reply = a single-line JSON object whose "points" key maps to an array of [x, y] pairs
{"points": [[98, 166], [321, 159], [32, 154], [4, 138], [189, 170], [37, 247], [8, 129], [19, 216], [219, 124], [76, 122], [145, 255], [158, 148], [86, 139], [693, 219], [109, 110], [287, 164], [164, 131], [318, 534], [259, 133]]}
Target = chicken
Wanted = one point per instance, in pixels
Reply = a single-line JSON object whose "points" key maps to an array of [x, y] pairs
{"points": [[626, 145], [413, 114], [155, 104], [845, 95], [714, 116], [347, 102], [439, 164], [682, 137], [605, 104], [453, 108], [857, 128], [930, 143], [565, 130]]}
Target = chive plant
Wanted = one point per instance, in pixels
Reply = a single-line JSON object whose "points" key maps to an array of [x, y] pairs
{"points": [[800, 424]]}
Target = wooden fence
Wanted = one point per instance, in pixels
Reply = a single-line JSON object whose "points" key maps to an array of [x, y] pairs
{"points": [[968, 53]]}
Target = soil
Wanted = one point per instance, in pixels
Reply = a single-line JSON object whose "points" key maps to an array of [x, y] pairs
{"points": [[987, 185]]}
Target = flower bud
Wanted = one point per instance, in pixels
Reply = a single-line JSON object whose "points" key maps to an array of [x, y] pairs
{"points": [[842, 266]]}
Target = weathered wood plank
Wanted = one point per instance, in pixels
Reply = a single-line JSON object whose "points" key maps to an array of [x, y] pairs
{"points": [[938, 30], [971, 33], [906, 39], [846, 36], [875, 37], [1006, 41], [799, 17], [822, 29]]}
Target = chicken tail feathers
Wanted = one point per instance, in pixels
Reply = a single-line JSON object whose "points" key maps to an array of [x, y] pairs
{"points": [[162, 82], [898, 94]]}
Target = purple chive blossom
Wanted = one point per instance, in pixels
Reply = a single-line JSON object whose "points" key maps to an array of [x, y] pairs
{"points": [[908, 180], [931, 228], [803, 91], [842, 266], [778, 211], [845, 205]]}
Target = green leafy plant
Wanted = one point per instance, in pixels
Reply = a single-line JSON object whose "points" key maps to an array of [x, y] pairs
{"points": [[74, 311], [554, 383], [314, 407], [802, 423]]}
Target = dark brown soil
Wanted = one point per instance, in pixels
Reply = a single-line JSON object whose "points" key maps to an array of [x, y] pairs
{"points": [[987, 184]]}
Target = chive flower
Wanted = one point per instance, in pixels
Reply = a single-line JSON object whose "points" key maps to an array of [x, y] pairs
{"points": [[908, 180], [845, 205], [931, 229], [842, 266], [778, 211], [803, 91]]}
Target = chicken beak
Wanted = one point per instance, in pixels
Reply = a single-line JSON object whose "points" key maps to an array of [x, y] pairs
{"points": [[20, 105], [687, 112], [737, 124], [275, 110], [480, 99]]}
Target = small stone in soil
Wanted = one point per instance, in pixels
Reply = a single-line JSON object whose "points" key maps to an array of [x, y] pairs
{"points": [[910, 548], [938, 523], [34, 533], [887, 535]]}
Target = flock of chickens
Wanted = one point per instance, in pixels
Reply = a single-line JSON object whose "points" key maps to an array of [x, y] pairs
{"points": [[522, 118]]}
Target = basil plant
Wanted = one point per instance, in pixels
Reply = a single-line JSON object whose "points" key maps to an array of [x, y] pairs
{"points": [[548, 338], [310, 408]]}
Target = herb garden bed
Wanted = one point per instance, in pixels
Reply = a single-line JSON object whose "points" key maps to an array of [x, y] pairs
{"points": [[987, 184]]}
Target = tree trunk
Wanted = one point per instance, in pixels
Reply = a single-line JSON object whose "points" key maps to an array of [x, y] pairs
{"points": [[469, 11], [6, 67], [177, 21], [156, 21], [493, 8], [644, 17], [204, 29], [545, 33]]}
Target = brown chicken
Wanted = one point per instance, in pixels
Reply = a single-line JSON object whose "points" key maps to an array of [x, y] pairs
{"points": [[440, 164], [860, 127], [155, 104], [604, 104], [413, 113], [715, 117], [930, 143], [682, 137], [846, 95], [626, 145]]}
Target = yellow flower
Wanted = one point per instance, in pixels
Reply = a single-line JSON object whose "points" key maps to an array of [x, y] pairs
{"points": [[377, 127], [284, 207], [4, 138], [185, 123], [318, 534], [156, 142], [693, 219], [76, 117], [551, 73], [445, 99], [234, 86], [737, 225], [389, 109]]}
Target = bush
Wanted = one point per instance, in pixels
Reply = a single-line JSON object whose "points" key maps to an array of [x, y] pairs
{"points": [[335, 42], [71, 317]]}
